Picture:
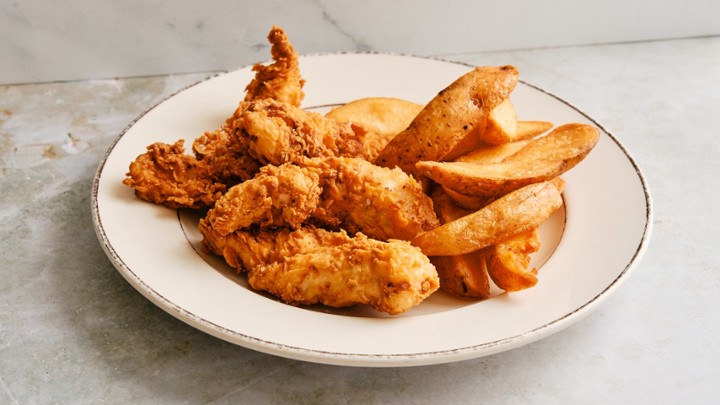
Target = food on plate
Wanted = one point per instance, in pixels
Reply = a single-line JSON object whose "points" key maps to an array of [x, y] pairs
{"points": [[540, 160], [491, 154], [385, 116], [483, 155], [381, 117], [310, 265], [449, 118], [462, 275], [166, 175], [351, 193], [510, 214], [508, 261], [381, 201], [503, 126], [280, 80], [279, 133]]}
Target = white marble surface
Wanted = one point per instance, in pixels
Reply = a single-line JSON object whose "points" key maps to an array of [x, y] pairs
{"points": [[73, 331], [79, 39]]}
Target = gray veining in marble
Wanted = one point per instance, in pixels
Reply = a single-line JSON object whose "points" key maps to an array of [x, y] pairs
{"points": [[77, 39], [72, 330]]}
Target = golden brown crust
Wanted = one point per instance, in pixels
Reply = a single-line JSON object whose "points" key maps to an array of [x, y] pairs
{"points": [[166, 175], [280, 80], [314, 266], [279, 133], [348, 192]]}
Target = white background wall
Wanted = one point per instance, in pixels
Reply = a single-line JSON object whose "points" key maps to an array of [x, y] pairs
{"points": [[44, 40]]}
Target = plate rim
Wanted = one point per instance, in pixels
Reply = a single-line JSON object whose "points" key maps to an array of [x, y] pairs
{"points": [[369, 359]]}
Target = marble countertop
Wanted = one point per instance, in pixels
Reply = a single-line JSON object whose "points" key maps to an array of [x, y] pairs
{"points": [[72, 330]]}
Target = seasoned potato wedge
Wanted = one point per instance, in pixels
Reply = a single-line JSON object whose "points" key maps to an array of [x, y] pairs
{"points": [[450, 117], [510, 214], [530, 129], [508, 261], [467, 202], [503, 126], [491, 154], [462, 275], [541, 160]]}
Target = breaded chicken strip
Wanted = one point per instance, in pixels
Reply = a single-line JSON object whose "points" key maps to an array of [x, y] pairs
{"points": [[349, 192], [166, 175], [281, 80], [278, 196], [314, 266], [279, 133]]}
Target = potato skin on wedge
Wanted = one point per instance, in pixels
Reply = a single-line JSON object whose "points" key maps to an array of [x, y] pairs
{"points": [[450, 117], [511, 214], [540, 160]]}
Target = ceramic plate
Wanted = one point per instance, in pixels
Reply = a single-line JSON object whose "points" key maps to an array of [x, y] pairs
{"points": [[589, 247]]}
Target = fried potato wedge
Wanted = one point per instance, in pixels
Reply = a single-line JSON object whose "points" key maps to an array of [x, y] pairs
{"points": [[483, 155], [385, 116], [380, 118], [541, 160], [508, 261], [450, 117], [510, 214], [491, 154], [468, 202], [462, 275], [503, 126]]}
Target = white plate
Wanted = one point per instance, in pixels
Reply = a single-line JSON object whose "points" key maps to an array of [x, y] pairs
{"points": [[607, 220]]}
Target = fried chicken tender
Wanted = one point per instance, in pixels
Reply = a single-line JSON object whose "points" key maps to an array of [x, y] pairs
{"points": [[314, 266], [166, 175], [279, 133], [281, 80], [349, 192]]}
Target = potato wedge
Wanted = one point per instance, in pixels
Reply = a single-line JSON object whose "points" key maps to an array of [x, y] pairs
{"points": [[468, 202], [473, 203], [530, 129], [381, 118], [508, 261], [569, 142], [449, 117], [384, 116], [541, 160], [510, 214], [503, 126], [462, 275], [491, 154], [485, 154]]}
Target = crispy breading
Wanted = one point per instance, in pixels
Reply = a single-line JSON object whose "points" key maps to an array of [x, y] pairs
{"points": [[166, 175], [315, 266], [279, 133], [349, 192], [280, 80]]}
